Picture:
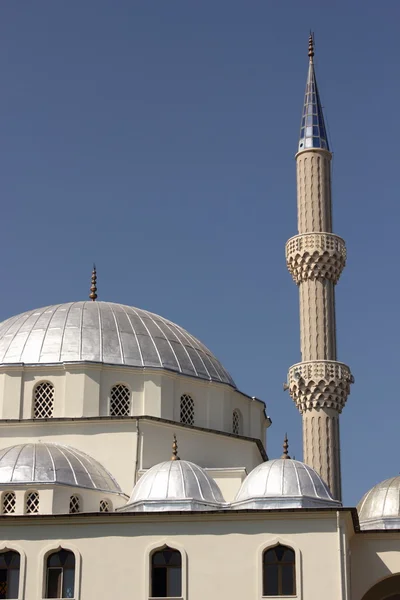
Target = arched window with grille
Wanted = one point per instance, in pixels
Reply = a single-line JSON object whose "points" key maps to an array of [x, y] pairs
{"points": [[60, 574], [9, 574], [120, 401], [105, 506], [279, 571], [187, 409], [32, 503], [74, 504], [236, 422], [166, 573], [8, 504], [43, 400]]}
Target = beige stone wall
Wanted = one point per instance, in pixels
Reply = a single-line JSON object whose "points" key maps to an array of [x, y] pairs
{"points": [[221, 555], [314, 212], [374, 557]]}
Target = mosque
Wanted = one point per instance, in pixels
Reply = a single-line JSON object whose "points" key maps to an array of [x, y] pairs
{"points": [[131, 466]]}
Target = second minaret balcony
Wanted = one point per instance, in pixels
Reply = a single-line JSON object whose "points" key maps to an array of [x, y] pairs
{"points": [[315, 256]]}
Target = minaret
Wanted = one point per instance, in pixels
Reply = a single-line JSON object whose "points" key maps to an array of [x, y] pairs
{"points": [[319, 385]]}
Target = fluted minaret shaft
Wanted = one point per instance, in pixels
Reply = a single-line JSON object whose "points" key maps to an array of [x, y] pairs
{"points": [[315, 257]]}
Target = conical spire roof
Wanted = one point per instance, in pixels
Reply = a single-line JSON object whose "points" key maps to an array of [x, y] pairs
{"points": [[312, 131]]}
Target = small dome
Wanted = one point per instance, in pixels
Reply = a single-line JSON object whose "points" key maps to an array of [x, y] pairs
{"points": [[175, 485], [108, 333], [283, 483], [380, 507], [45, 463]]}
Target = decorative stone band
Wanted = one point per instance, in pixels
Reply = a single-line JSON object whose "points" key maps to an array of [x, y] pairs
{"points": [[319, 383], [315, 256]]}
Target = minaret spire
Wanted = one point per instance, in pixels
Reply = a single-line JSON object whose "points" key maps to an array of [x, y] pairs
{"points": [[319, 385], [93, 288]]}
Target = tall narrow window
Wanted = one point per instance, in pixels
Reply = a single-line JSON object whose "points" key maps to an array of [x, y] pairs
{"points": [[9, 574], [32, 503], [236, 422], [279, 572], [8, 504], [74, 504], [166, 573], [60, 576], [187, 410], [120, 401], [43, 404]]}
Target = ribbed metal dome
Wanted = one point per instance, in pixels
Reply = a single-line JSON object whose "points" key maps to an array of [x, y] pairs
{"points": [[283, 483], [53, 463], [175, 485], [107, 333], [380, 507]]}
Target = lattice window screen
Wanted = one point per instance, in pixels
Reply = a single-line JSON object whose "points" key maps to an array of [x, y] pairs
{"points": [[236, 422], [74, 505], [44, 401], [9, 502], [32, 503], [104, 506], [120, 401], [187, 410]]}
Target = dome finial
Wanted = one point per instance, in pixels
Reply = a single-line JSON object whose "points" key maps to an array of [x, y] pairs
{"points": [[93, 288], [311, 46], [285, 447], [175, 449]]}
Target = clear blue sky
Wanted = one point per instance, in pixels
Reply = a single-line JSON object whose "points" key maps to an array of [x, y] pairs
{"points": [[158, 139]]}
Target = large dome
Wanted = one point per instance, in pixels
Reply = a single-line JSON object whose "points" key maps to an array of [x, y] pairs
{"points": [[283, 483], [380, 507], [107, 333], [44, 463], [175, 485]]}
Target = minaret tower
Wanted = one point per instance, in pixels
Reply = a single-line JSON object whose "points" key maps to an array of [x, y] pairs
{"points": [[319, 385]]}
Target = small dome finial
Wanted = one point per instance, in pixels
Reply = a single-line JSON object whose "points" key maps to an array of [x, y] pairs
{"points": [[311, 46], [285, 447], [175, 449], [93, 287]]}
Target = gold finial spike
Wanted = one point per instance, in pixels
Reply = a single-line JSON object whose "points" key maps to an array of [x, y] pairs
{"points": [[311, 46], [285, 447], [93, 288], [175, 449]]}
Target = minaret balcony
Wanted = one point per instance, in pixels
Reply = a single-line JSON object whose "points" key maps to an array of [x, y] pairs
{"points": [[319, 383], [315, 256]]}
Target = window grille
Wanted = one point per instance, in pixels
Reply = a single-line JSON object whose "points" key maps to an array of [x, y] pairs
{"points": [[166, 573], [187, 410], [120, 401], [60, 581], [9, 502], [104, 506], [74, 505], [279, 574], [236, 422], [43, 401], [32, 503], [9, 574]]}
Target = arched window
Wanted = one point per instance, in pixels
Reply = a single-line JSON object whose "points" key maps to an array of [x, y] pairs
{"points": [[60, 576], [8, 504], [279, 572], [105, 506], [43, 400], [120, 401], [74, 504], [166, 573], [32, 503], [236, 422], [187, 410], [9, 574]]}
